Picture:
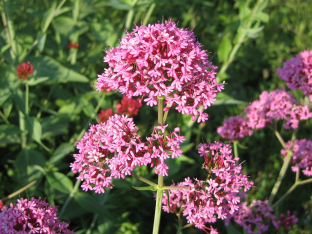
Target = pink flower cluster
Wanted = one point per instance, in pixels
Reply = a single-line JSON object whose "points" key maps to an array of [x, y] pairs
{"points": [[24, 70], [302, 155], [112, 149], [162, 60], [257, 218], [128, 106], [160, 148], [235, 128], [215, 197], [277, 104], [297, 72], [31, 216]]}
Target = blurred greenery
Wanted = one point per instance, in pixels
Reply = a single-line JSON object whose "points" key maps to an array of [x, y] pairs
{"points": [[247, 40]]}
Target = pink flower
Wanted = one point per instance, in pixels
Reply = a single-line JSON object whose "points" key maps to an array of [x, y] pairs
{"points": [[161, 147], [129, 106], [109, 150], [24, 70], [276, 105], [254, 219], [105, 114], [301, 155], [162, 60], [2, 206], [297, 72], [287, 221], [35, 216], [235, 128], [215, 197]]}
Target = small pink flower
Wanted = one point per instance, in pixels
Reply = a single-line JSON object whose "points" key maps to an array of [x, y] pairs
{"points": [[301, 155], [129, 106], [161, 147], [24, 70], [35, 216], [2, 206], [297, 72], [276, 105], [162, 60], [215, 197], [109, 150], [105, 114], [235, 128], [287, 221]]}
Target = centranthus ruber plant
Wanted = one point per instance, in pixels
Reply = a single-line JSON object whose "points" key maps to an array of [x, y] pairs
{"points": [[164, 65]]}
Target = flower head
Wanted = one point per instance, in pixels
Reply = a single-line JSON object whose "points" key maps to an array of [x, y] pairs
{"points": [[24, 70], [129, 106], [254, 219], [277, 104], [301, 155], [31, 216], [105, 114], [73, 45], [162, 60], [235, 128], [297, 72], [109, 150], [287, 221], [161, 147], [215, 197]]}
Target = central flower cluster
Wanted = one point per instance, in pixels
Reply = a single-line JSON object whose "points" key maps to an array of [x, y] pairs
{"points": [[112, 149], [162, 60]]}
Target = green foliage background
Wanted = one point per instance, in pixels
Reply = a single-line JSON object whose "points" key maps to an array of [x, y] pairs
{"points": [[37, 138]]}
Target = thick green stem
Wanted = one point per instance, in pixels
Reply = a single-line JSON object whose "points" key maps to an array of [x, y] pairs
{"points": [[280, 176], [235, 149], [160, 177]]}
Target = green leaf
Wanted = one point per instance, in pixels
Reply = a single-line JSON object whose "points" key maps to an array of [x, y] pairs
{"points": [[253, 32], [41, 40], [54, 125], [48, 16], [224, 49], [19, 102], [152, 188], [8, 134], [230, 229], [7, 107], [57, 73], [5, 48], [244, 12], [64, 25], [262, 17], [34, 81], [27, 162], [91, 204], [63, 150], [34, 128], [60, 182], [115, 4]]}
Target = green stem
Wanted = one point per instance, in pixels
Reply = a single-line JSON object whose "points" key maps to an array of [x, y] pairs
{"points": [[26, 98], [4, 118], [280, 139], [70, 196], [159, 195], [292, 188], [149, 13], [235, 149]]}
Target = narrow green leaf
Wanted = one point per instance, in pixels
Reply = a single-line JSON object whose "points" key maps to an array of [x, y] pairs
{"points": [[20, 103], [60, 182], [152, 188], [8, 134], [41, 40], [34, 81], [224, 49], [5, 48], [48, 16], [7, 107], [54, 125], [63, 150], [34, 128], [253, 32]]}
